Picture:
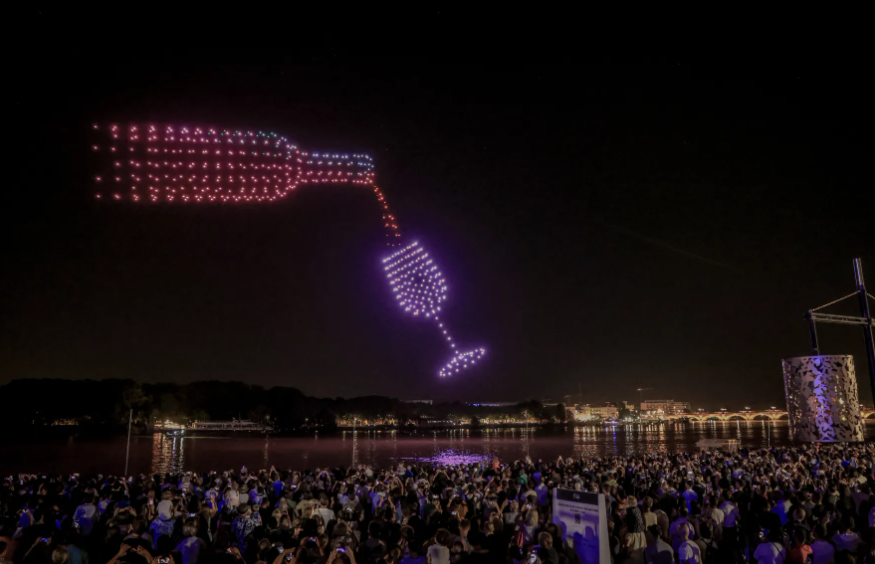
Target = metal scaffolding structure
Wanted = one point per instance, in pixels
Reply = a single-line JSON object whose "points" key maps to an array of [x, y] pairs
{"points": [[813, 316]]}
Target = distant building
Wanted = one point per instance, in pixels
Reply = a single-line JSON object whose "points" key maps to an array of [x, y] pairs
{"points": [[680, 407], [606, 411], [493, 403], [435, 422], [603, 411], [417, 401], [64, 422], [656, 407], [664, 407]]}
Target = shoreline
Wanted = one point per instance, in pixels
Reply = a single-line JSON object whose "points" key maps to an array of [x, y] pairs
{"points": [[103, 432]]}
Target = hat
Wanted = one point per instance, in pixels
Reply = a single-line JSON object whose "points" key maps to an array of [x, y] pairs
{"points": [[165, 510]]}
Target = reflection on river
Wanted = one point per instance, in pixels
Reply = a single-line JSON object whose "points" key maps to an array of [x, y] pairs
{"points": [[161, 453]]}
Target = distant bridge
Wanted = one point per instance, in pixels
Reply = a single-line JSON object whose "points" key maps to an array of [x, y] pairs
{"points": [[748, 415]]}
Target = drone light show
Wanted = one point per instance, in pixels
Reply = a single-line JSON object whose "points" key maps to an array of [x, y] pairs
{"points": [[420, 288], [164, 164]]}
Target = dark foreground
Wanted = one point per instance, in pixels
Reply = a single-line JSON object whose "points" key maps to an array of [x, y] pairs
{"points": [[766, 505]]}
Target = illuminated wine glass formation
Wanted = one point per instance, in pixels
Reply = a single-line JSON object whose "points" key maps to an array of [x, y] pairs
{"points": [[420, 289], [148, 163]]}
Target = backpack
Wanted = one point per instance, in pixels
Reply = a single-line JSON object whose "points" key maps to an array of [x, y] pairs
{"points": [[713, 555], [519, 538]]}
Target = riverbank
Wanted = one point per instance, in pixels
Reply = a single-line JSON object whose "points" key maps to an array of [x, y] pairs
{"points": [[106, 431]]}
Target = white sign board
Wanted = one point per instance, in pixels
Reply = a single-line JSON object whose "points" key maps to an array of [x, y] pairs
{"points": [[584, 524]]}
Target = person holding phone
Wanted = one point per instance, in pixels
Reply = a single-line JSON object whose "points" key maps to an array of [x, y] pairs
{"points": [[288, 555]]}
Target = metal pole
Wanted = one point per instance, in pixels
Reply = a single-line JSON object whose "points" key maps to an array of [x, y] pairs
{"points": [[128, 450], [812, 330], [867, 328]]}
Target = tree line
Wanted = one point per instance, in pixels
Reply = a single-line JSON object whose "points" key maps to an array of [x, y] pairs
{"points": [[106, 404]]}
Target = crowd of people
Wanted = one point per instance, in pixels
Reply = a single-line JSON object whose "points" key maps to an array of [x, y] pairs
{"points": [[804, 504]]}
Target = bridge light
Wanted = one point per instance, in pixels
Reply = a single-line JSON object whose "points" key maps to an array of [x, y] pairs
{"points": [[747, 408], [722, 409]]}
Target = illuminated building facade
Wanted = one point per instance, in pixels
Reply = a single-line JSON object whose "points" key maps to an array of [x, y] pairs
{"points": [[656, 408]]}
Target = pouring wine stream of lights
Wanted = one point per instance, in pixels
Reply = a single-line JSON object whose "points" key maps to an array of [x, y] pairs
{"points": [[179, 164]]}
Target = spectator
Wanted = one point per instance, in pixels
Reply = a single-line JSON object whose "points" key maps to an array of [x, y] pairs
{"points": [[683, 513], [707, 545], [800, 551], [647, 512], [547, 554], [173, 518], [689, 495], [657, 551], [688, 551], [782, 508], [85, 515], [191, 546], [846, 538], [163, 523], [822, 550], [438, 552], [770, 550]]}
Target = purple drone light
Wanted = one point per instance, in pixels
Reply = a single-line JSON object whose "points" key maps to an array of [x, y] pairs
{"points": [[420, 288]]}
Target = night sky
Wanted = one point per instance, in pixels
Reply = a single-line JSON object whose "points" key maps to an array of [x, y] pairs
{"points": [[658, 226]]}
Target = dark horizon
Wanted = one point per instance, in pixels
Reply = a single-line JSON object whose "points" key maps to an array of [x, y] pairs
{"points": [[612, 227]]}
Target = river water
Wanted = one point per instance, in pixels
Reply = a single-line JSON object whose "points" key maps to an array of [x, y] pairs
{"points": [[160, 453]]}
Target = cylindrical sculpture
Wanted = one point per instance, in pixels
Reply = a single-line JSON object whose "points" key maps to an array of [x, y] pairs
{"points": [[822, 399]]}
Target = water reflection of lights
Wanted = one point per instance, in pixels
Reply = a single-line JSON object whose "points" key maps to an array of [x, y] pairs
{"points": [[453, 457], [167, 453], [756, 433], [372, 447], [353, 435]]}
